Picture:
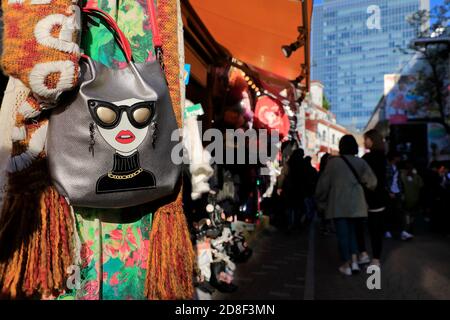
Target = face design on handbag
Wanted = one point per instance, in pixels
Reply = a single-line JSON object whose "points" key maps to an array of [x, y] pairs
{"points": [[124, 125]]}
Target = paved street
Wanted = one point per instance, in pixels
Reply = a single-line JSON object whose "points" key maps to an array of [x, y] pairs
{"points": [[418, 269], [276, 269]]}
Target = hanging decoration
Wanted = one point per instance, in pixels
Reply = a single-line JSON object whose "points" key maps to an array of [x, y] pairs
{"points": [[269, 114]]}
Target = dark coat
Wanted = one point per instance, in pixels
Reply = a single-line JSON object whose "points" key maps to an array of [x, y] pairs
{"points": [[293, 183], [377, 198]]}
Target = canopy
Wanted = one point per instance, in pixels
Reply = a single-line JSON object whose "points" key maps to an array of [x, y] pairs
{"points": [[255, 30]]}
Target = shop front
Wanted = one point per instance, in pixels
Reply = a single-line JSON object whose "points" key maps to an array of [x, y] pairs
{"points": [[246, 85]]}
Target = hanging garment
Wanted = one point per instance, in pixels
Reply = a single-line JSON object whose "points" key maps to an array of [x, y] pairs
{"points": [[45, 63], [228, 191], [32, 262], [204, 258], [197, 157], [15, 94], [113, 257], [274, 172]]}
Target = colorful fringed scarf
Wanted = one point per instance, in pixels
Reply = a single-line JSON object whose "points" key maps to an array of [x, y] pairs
{"points": [[171, 264], [36, 225]]}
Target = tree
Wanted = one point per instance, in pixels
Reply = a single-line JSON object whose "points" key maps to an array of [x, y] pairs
{"points": [[432, 84], [325, 103]]}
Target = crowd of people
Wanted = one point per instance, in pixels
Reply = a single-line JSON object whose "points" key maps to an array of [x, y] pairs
{"points": [[298, 198], [374, 197]]}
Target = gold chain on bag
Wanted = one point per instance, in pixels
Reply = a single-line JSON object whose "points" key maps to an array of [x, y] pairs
{"points": [[125, 176]]}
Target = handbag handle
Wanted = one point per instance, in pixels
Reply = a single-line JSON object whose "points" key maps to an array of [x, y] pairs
{"points": [[151, 11], [120, 36], [157, 41]]}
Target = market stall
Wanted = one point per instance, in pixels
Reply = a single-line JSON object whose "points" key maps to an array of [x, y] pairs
{"points": [[248, 65], [255, 31]]}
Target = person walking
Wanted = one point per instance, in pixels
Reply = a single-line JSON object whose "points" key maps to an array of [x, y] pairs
{"points": [[413, 184], [340, 193], [435, 196], [323, 162], [311, 176], [446, 186], [396, 215], [325, 224], [377, 199], [292, 182]]}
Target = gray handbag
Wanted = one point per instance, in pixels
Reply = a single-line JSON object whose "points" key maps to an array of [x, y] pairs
{"points": [[111, 147]]}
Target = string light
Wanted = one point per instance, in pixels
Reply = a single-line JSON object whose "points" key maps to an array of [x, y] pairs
{"points": [[250, 83]]}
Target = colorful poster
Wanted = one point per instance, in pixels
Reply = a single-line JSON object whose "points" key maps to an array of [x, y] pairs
{"points": [[438, 142], [401, 102]]}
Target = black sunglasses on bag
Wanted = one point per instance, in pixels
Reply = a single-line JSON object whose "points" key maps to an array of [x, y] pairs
{"points": [[107, 115]]}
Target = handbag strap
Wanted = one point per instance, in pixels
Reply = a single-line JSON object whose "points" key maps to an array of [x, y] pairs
{"points": [[157, 40], [353, 170], [120, 36], [151, 11]]}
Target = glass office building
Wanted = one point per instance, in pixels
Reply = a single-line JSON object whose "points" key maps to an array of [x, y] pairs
{"points": [[353, 44]]}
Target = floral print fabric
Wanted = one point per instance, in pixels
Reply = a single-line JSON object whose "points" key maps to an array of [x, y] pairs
{"points": [[113, 254], [131, 17]]}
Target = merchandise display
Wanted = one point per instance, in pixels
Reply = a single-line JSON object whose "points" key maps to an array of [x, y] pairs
{"points": [[196, 156], [219, 248], [126, 141]]}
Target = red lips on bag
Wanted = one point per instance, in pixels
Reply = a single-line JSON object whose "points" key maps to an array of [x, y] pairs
{"points": [[125, 137]]}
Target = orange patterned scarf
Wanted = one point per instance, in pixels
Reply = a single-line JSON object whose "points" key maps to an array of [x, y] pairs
{"points": [[36, 225], [171, 263]]}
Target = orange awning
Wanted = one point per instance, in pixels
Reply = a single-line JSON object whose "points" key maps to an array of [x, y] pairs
{"points": [[255, 30]]}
